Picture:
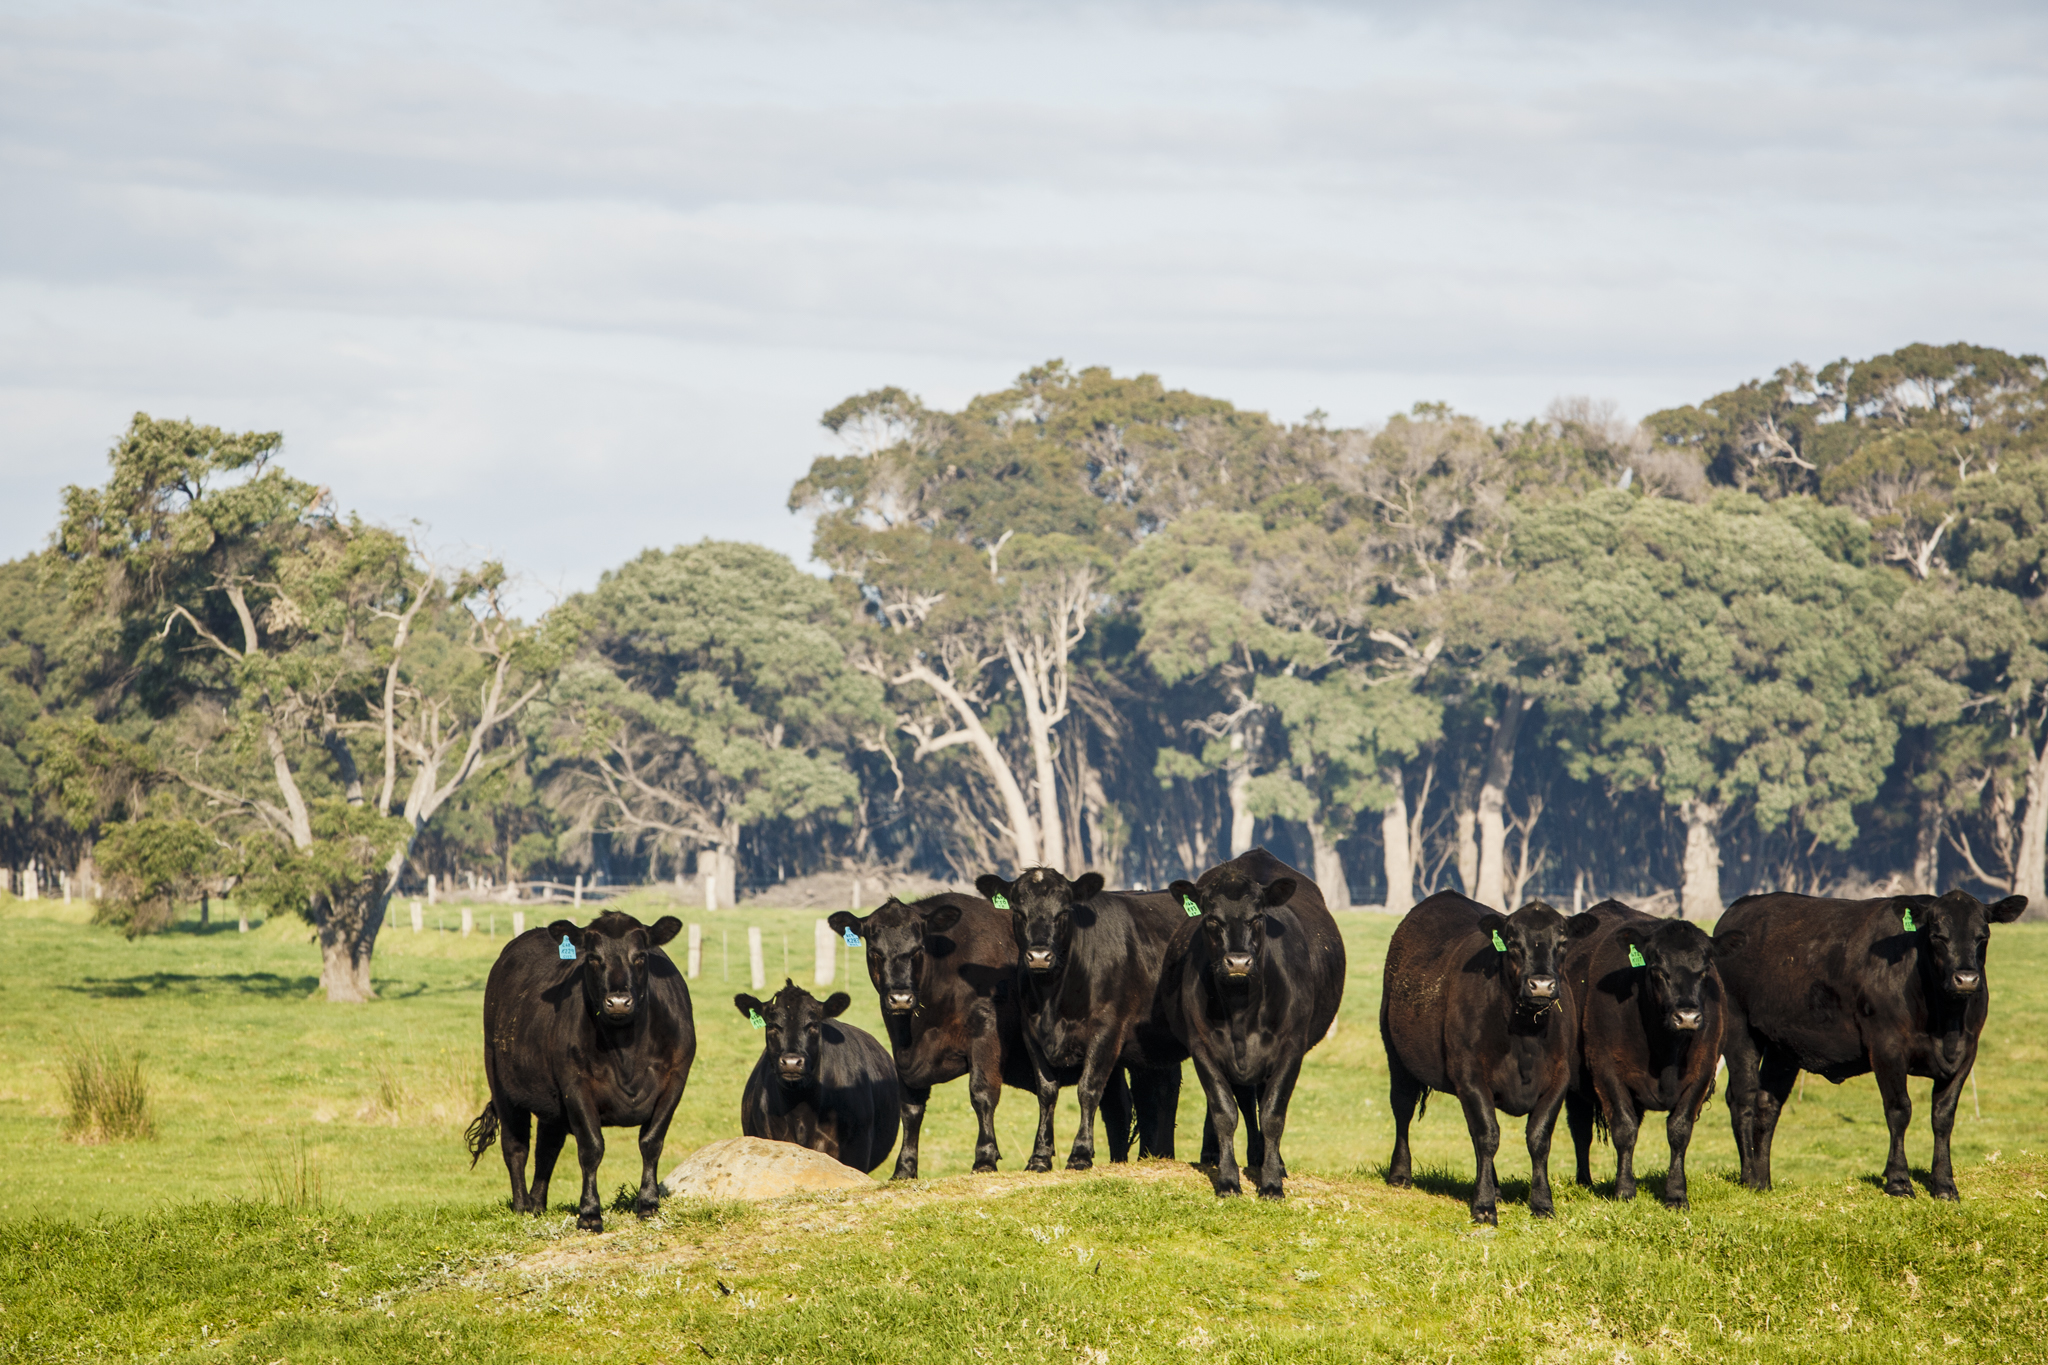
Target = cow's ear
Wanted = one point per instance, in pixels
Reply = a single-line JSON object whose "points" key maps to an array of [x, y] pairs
{"points": [[1730, 943], [1578, 926], [562, 929], [842, 920], [1182, 892], [1492, 924], [2007, 910], [942, 919], [1087, 886], [837, 1004], [1278, 891], [747, 1005], [991, 887], [664, 929]]}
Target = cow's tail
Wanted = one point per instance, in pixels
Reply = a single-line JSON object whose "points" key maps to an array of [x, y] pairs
{"points": [[482, 1132], [1422, 1103]]}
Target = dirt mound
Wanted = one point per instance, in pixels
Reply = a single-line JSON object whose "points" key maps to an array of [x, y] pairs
{"points": [[835, 890]]}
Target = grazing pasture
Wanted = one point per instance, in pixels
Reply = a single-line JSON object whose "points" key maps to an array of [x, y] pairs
{"points": [[307, 1197]]}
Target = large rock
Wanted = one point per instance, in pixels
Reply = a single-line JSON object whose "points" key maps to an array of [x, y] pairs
{"points": [[755, 1168]]}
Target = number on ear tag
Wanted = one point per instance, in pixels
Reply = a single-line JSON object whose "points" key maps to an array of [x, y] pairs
{"points": [[999, 902], [568, 950], [1499, 944], [754, 1018], [852, 939], [1188, 903], [1635, 956]]}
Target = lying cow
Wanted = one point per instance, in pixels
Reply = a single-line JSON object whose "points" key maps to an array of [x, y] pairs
{"points": [[1252, 982], [1087, 987], [945, 970], [1475, 1003], [1650, 1013], [819, 1084], [584, 1029], [1894, 985]]}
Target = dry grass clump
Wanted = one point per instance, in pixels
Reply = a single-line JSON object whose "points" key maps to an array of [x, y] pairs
{"points": [[107, 1096], [292, 1178]]}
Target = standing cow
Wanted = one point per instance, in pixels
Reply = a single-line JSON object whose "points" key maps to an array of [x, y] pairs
{"points": [[1087, 994], [584, 1029], [1252, 982], [1839, 987], [1475, 1003], [820, 1084], [945, 968], [1650, 1014]]}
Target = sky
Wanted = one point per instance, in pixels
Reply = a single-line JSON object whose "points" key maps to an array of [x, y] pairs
{"points": [[555, 283]]}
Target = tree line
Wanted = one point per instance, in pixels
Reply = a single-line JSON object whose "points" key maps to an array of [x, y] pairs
{"points": [[1790, 636]]}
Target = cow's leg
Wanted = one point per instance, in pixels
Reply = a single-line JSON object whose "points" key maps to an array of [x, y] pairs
{"points": [[1542, 1122], [1624, 1123], [1101, 1077], [914, 1100], [1222, 1125], [1115, 1112], [1279, 1090], [1254, 1135], [1941, 1178], [1041, 1146], [1404, 1091], [1678, 1132], [652, 1135], [1898, 1112], [985, 1087], [1578, 1117], [1743, 1053], [1155, 1128], [513, 1130], [1484, 1127], [583, 1123], [1776, 1075], [547, 1149]]}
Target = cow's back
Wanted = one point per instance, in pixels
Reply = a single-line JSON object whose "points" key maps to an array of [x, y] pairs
{"points": [[1817, 975], [858, 1076], [1429, 973]]}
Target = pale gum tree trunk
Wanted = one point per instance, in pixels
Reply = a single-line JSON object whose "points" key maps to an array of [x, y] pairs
{"points": [[1493, 796], [2030, 873], [1465, 827], [1238, 776], [1927, 848], [1399, 857], [1336, 887], [1023, 829], [1700, 896]]}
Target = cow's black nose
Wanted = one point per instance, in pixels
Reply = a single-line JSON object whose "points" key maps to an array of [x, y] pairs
{"points": [[1967, 982], [617, 1003], [1238, 964], [792, 1063], [1685, 1020], [899, 1002], [1542, 987], [1038, 959]]}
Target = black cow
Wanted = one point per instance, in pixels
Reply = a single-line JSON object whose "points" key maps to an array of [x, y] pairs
{"points": [[1251, 984], [1475, 1003], [603, 1038], [945, 969], [1650, 1013], [819, 1084], [1894, 985], [1087, 992]]}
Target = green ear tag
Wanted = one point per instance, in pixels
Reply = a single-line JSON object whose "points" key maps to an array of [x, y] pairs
{"points": [[754, 1018], [1188, 903], [999, 902], [1499, 944], [1635, 956], [1909, 919]]}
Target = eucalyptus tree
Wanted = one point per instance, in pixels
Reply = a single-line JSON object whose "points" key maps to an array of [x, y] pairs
{"points": [[270, 638]]}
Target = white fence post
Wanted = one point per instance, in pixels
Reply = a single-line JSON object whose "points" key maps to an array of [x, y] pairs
{"points": [[825, 945], [518, 923], [755, 963], [579, 890], [468, 922], [419, 917], [433, 889], [694, 962], [710, 890]]}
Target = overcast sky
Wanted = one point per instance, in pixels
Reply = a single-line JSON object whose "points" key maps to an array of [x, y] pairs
{"points": [[566, 281]]}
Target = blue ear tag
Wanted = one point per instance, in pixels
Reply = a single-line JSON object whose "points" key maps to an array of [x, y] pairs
{"points": [[999, 902], [1635, 956], [754, 1018], [1499, 944], [1909, 919], [852, 939], [568, 950], [1188, 903]]}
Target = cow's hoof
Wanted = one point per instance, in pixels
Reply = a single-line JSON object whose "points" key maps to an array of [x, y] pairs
{"points": [[1488, 1215], [1040, 1164], [1678, 1204], [1625, 1193], [590, 1222], [1229, 1191], [985, 1168], [901, 1173], [1541, 1211], [1401, 1182], [1899, 1187], [1947, 1192], [645, 1211], [1080, 1163], [1272, 1192]]}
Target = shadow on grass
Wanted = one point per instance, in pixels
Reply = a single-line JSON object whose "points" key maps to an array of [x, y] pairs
{"points": [[267, 984], [1919, 1175], [194, 929]]}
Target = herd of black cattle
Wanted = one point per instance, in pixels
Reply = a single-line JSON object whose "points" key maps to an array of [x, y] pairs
{"points": [[1043, 982]]}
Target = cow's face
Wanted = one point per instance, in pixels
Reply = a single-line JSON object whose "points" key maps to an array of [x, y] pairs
{"points": [[1530, 945], [1233, 910], [611, 952], [896, 938], [1954, 930], [792, 1019], [1041, 905], [1678, 961]]}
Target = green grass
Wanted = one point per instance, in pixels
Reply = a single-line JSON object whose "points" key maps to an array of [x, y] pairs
{"points": [[306, 1197]]}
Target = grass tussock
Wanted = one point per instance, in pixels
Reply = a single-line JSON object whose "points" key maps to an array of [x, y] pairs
{"points": [[292, 1178], [106, 1095]]}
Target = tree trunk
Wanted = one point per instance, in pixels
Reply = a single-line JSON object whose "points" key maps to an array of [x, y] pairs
{"points": [[1493, 796], [1238, 777], [1927, 848], [348, 935], [2030, 872], [1700, 897], [1023, 829], [1399, 857], [729, 866], [1336, 887], [1465, 825]]}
